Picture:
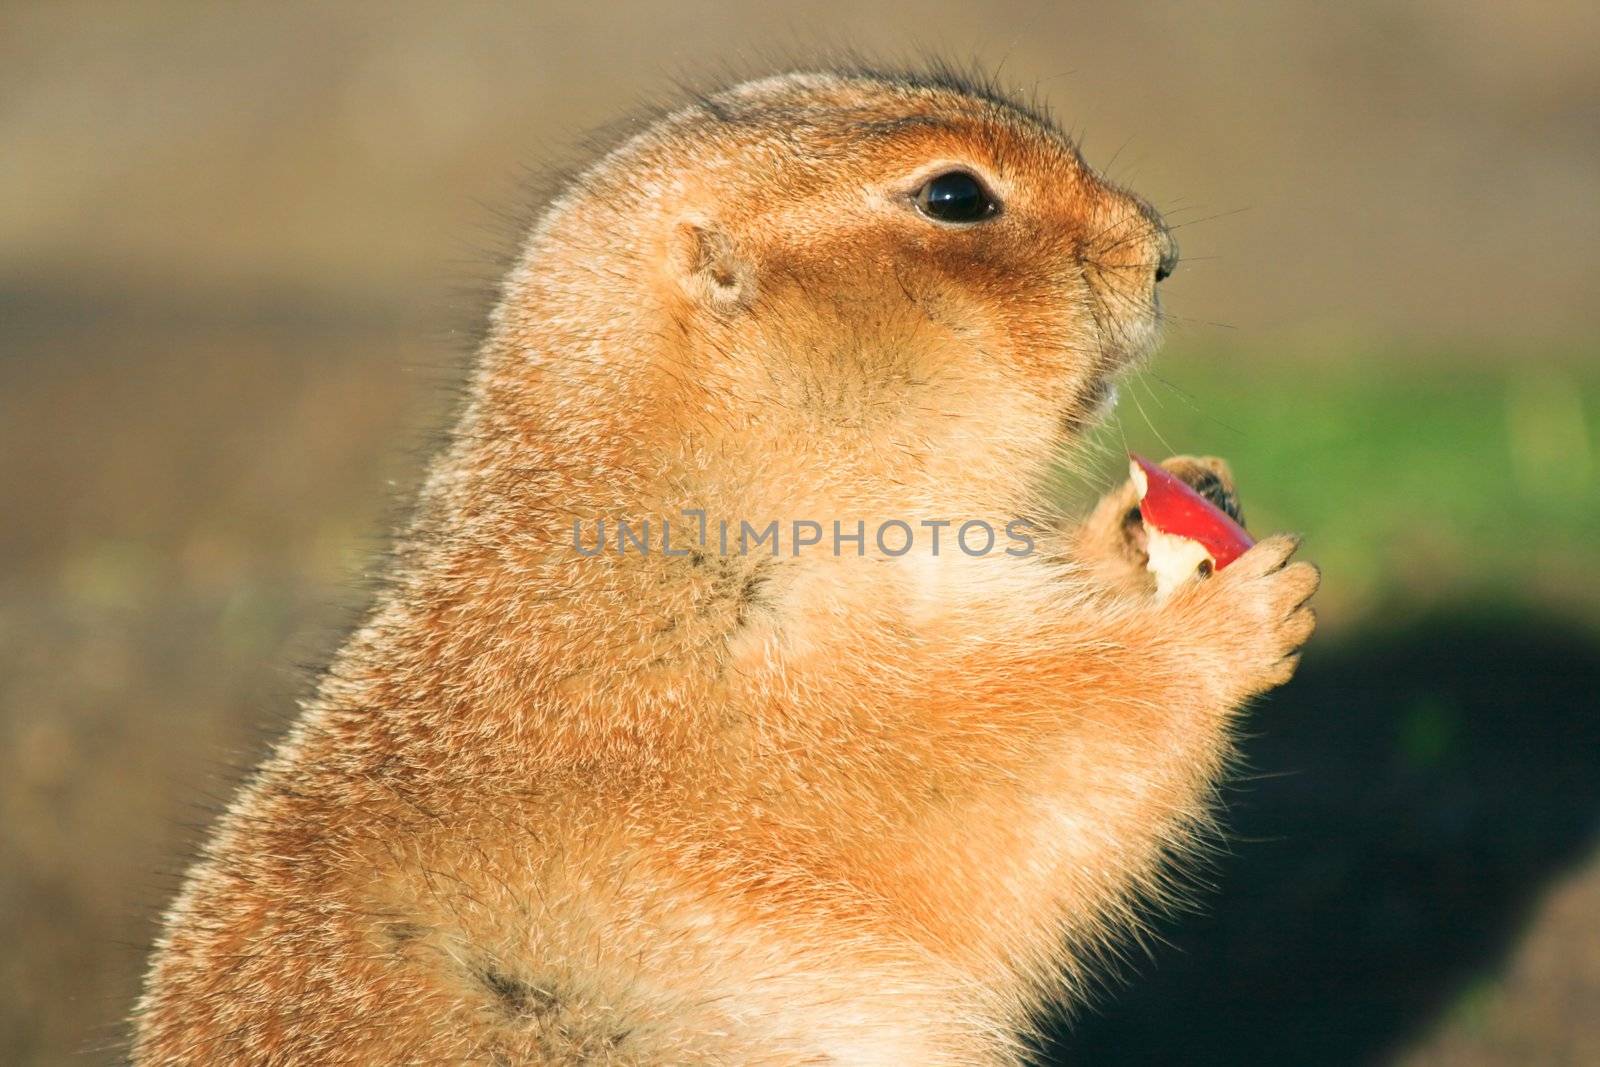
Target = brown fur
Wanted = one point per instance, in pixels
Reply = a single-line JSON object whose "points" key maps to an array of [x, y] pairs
{"points": [[646, 809]]}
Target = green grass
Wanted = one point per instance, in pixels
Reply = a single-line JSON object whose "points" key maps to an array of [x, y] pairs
{"points": [[1417, 478]]}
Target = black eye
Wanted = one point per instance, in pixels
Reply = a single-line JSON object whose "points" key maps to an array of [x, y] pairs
{"points": [[956, 197]]}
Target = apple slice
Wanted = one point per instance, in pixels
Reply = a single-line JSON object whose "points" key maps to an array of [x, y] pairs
{"points": [[1186, 534]]}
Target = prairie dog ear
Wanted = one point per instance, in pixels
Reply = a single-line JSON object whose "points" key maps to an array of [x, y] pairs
{"points": [[706, 266]]}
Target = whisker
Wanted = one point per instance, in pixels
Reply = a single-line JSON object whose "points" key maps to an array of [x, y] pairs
{"points": [[1209, 218], [1193, 404]]}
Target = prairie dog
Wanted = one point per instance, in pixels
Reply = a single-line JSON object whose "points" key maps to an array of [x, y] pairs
{"points": [[552, 805]]}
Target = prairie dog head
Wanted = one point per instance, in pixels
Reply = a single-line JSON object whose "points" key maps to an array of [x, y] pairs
{"points": [[892, 291]]}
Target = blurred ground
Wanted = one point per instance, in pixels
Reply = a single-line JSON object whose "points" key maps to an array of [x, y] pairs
{"points": [[240, 256], [1409, 797]]}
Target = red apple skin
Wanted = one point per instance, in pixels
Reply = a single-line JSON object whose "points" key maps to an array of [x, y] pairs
{"points": [[1172, 506]]}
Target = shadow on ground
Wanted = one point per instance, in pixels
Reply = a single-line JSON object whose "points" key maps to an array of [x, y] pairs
{"points": [[1413, 790]]}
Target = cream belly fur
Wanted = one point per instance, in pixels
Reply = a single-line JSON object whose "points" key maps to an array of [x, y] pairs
{"points": [[549, 807]]}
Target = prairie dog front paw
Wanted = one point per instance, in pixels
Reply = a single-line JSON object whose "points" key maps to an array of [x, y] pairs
{"points": [[1253, 618]]}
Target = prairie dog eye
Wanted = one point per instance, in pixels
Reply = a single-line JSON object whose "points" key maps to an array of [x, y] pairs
{"points": [[956, 196]]}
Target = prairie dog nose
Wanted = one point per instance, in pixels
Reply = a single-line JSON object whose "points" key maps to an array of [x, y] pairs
{"points": [[1167, 250], [1164, 245]]}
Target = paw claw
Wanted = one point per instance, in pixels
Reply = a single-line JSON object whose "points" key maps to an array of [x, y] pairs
{"points": [[1211, 478]]}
